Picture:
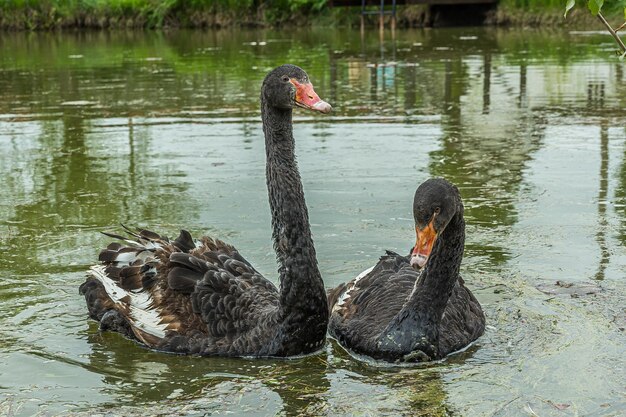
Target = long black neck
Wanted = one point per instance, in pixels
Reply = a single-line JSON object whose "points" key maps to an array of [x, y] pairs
{"points": [[302, 289], [416, 326], [435, 284]]}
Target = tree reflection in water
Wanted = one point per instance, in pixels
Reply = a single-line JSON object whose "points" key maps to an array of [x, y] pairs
{"points": [[162, 129]]}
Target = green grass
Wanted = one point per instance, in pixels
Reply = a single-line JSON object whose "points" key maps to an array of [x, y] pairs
{"points": [[50, 14], [45, 14], [611, 7], [534, 5]]}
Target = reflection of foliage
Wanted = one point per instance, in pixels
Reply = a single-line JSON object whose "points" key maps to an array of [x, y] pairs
{"points": [[620, 195], [206, 382], [416, 390], [129, 74], [72, 187], [198, 58]]}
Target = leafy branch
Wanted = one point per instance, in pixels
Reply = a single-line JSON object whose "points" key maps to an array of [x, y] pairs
{"points": [[595, 7]]}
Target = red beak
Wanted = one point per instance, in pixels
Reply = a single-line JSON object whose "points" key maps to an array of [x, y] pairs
{"points": [[307, 98]]}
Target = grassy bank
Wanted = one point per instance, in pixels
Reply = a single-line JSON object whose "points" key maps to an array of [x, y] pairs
{"points": [[48, 14], [54, 14], [538, 13]]}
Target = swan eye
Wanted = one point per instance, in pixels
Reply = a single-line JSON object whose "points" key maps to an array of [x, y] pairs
{"points": [[437, 210], [285, 78]]}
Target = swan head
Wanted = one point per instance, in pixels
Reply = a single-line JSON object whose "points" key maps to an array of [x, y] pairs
{"points": [[436, 202], [288, 86]]}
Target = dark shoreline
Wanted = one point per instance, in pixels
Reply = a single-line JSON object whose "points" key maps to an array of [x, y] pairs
{"points": [[43, 19]]}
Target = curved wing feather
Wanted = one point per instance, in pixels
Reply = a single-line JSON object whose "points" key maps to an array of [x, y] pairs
{"points": [[199, 289], [363, 307]]}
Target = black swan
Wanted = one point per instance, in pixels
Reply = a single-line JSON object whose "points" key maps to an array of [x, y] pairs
{"points": [[395, 313], [201, 296]]}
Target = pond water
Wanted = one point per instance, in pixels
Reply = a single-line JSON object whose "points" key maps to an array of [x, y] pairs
{"points": [[162, 130]]}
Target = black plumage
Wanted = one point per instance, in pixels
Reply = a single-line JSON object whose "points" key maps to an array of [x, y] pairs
{"points": [[201, 296], [398, 313]]}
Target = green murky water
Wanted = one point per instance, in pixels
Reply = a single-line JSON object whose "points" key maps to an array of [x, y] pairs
{"points": [[163, 131]]}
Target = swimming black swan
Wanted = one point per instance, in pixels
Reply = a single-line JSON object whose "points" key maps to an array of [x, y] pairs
{"points": [[396, 313], [201, 296]]}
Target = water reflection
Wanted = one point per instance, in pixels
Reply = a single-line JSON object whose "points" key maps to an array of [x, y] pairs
{"points": [[620, 193], [162, 129], [140, 377], [602, 201], [327, 383], [76, 186]]}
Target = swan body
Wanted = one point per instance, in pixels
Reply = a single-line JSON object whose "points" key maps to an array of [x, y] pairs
{"points": [[397, 312], [200, 296]]}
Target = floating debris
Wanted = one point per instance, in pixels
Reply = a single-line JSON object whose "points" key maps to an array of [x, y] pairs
{"points": [[572, 289], [79, 103]]}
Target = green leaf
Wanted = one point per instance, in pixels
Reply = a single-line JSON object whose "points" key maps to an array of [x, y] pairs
{"points": [[595, 6], [624, 12], [572, 3]]}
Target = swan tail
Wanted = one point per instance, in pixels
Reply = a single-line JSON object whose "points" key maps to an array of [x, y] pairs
{"points": [[156, 290], [129, 311], [123, 291]]}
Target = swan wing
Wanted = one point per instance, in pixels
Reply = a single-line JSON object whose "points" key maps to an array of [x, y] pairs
{"points": [[162, 288], [363, 307], [233, 298], [463, 320]]}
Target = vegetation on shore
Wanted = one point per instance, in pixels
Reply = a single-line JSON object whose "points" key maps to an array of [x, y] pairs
{"points": [[48, 14], [53, 14]]}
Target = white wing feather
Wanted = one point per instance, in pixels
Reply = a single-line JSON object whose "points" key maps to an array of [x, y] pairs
{"points": [[143, 314], [346, 294]]}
